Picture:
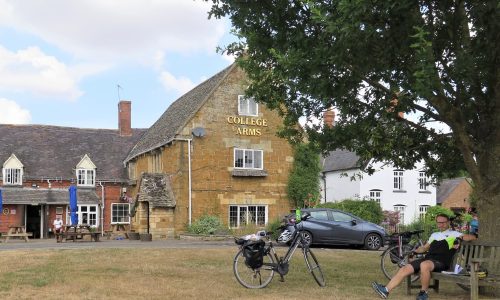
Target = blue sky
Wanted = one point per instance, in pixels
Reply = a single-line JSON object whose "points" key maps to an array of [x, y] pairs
{"points": [[61, 61]]}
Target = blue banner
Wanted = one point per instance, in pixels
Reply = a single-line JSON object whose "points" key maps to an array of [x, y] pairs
{"points": [[73, 206]]}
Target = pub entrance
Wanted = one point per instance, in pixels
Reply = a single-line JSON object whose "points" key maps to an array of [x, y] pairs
{"points": [[33, 217]]}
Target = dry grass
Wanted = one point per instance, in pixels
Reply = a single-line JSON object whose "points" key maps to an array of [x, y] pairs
{"points": [[183, 274]]}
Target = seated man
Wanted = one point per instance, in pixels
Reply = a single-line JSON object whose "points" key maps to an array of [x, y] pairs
{"points": [[441, 247]]}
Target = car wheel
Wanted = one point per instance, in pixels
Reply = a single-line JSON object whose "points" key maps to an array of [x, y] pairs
{"points": [[373, 241], [307, 237]]}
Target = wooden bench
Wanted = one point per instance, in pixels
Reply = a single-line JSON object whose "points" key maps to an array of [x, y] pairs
{"points": [[23, 235], [65, 236], [473, 256]]}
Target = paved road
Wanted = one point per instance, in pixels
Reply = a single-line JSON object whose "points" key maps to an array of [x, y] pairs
{"points": [[51, 244]]}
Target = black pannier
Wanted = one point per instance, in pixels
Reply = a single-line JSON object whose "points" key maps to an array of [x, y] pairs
{"points": [[253, 251]]}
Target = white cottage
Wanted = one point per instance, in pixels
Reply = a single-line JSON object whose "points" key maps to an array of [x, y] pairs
{"points": [[406, 191]]}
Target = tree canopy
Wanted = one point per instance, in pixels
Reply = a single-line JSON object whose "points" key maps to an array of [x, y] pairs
{"points": [[436, 61]]}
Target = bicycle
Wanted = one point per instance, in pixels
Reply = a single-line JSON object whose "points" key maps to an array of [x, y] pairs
{"points": [[400, 254], [259, 273]]}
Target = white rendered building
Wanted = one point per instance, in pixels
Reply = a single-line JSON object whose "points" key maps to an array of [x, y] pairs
{"points": [[406, 191]]}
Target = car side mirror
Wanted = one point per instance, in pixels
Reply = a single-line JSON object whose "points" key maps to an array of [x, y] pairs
{"points": [[354, 222], [305, 216]]}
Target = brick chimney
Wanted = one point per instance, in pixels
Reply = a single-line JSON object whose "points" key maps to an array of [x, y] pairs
{"points": [[329, 118], [124, 118]]}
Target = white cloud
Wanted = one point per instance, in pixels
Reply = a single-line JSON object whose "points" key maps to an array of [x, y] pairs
{"points": [[115, 29], [32, 70], [180, 85], [12, 113]]}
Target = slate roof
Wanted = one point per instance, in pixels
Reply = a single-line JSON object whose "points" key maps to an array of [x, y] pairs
{"points": [[340, 160], [54, 151], [157, 190], [177, 115], [445, 187], [12, 195]]}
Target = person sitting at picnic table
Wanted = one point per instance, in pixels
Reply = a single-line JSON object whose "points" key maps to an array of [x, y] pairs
{"points": [[58, 223], [441, 247]]}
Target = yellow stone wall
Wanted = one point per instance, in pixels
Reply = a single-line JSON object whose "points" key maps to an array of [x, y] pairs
{"points": [[214, 187]]}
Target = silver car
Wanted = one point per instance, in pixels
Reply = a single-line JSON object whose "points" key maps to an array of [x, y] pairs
{"points": [[335, 227]]}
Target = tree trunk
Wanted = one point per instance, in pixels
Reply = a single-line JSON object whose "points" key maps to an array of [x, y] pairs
{"points": [[489, 229]]}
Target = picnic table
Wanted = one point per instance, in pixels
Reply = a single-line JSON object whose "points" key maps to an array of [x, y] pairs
{"points": [[17, 231], [77, 232]]}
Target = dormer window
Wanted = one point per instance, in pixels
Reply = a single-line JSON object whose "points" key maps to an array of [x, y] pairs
{"points": [[85, 172], [247, 106], [12, 171]]}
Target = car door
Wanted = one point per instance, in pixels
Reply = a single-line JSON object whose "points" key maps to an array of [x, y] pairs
{"points": [[346, 229], [319, 226]]}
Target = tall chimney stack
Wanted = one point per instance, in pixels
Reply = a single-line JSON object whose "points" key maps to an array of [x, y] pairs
{"points": [[124, 118], [329, 118]]}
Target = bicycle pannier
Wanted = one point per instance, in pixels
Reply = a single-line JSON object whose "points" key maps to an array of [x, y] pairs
{"points": [[253, 252]]}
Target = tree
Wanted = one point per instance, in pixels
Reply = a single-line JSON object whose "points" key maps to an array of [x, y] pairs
{"points": [[303, 181], [436, 61]]}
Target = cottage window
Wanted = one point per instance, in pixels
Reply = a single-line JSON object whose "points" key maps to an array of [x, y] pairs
{"points": [[401, 209], [85, 177], [247, 106], [248, 159], [375, 195], [12, 176], [87, 215], [422, 211], [398, 179], [422, 181], [120, 213], [242, 215]]}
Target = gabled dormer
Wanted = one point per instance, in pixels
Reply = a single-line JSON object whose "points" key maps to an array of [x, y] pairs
{"points": [[85, 172], [12, 171]]}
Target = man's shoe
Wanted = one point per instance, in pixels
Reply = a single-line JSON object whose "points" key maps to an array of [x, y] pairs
{"points": [[422, 295], [381, 290]]}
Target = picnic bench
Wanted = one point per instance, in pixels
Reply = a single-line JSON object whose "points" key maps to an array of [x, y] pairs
{"points": [[17, 231], [473, 256], [77, 233]]}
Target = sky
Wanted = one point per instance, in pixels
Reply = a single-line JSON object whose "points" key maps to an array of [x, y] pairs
{"points": [[68, 63]]}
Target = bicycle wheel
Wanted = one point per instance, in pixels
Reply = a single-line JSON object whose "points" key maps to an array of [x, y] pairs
{"points": [[253, 278], [390, 263], [313, 266]]}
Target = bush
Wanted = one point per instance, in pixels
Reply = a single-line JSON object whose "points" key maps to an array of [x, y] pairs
{"points": [[365, 209], [274, 228], [206, 225]]}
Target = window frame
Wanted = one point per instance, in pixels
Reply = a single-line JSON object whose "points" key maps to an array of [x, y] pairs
{"points": [[398, 180], [422, 211], [423, 181], [374, 197], [401, 209], [236, 212], [244, 162], [244, 106], [86, 181], [12, 179], [113, 217], [92, 215]]}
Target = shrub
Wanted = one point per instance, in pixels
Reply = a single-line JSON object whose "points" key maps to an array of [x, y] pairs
{"points": [[274, 228], [365, 209], [206, 225]]}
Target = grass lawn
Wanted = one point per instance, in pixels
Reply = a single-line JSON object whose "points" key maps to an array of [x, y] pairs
{"points": [[185, 274]]}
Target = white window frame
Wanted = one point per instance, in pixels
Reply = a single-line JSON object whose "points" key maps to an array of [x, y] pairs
{"points": [[422, 211], [242, 215], [13, 176], [398, 179], [250, 159], [423, 181], [376, 195], [85, 177], [247, 106], [91, 212], [401, 208], [124, 217]]}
